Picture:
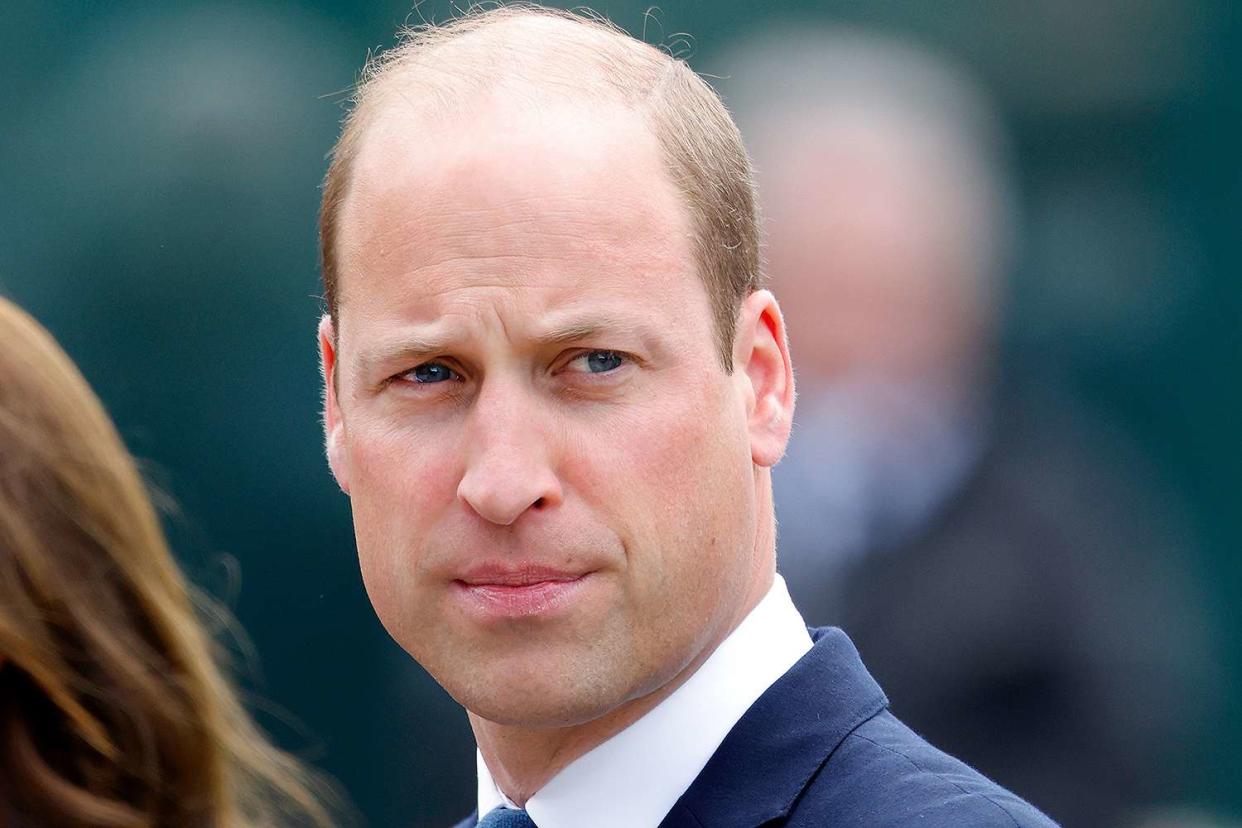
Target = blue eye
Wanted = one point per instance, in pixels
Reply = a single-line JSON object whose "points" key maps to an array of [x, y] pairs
{"points": [[430, 372], [600, 362]]}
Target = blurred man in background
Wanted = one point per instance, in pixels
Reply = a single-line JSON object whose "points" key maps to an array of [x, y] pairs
{"points": [[975, 539]]}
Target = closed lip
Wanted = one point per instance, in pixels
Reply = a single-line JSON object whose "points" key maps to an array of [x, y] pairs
{"points": [[516, 575], [491, 592]]}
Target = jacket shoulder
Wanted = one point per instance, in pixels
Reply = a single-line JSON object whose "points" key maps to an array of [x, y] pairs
{"points": [[883, 774]]}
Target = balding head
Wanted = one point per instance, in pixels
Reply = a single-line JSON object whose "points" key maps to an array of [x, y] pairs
{"points": [[521, 61], [545, 336]]}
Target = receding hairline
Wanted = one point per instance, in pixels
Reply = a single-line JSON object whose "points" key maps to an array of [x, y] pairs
{"points": [[519, 37], [503, 52]]}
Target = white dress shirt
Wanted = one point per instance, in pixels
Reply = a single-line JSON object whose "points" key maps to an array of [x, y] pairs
{"points": [[634, 779]]}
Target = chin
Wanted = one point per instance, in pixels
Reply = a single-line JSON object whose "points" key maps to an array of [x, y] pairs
{"points": [[548, 696], [536, 709]]}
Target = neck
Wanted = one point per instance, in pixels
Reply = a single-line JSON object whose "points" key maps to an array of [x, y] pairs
{"points": [[523, 759]]}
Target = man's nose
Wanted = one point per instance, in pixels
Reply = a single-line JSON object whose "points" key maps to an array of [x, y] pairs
{"points": [[509, 467]]}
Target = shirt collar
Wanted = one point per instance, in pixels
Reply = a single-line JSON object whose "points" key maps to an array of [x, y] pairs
{"points": [[637, 776], [785, 741]]}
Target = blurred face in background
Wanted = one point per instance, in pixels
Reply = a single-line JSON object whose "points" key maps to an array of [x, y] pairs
{"points": [[874, 246], [554, 481]]}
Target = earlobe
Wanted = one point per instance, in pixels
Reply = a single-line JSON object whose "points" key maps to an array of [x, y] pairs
{"points": [[333, 424], [762, 352]]}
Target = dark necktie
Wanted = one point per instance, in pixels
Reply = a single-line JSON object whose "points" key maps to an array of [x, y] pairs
{"points": [[506, 818]]}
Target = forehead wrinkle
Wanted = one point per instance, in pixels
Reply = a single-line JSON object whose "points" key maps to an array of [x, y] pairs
{"points": [[476, 193], [412, 343], [436, 237], [427, 240], [561, 328], [432, 263], [456, 214], [466, 312], [522, 267]]}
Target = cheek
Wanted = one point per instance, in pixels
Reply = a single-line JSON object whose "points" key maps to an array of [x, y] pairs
{"points": [[402, 474], [672, 480], [402, 482]]}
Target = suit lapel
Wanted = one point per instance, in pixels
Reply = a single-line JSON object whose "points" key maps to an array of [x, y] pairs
{"points": [[781, 742]]}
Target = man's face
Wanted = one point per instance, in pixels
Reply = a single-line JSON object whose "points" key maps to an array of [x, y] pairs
{"points": [[551, 473]]}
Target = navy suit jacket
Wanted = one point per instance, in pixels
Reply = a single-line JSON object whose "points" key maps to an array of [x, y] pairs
{"points": [[820, 749]]}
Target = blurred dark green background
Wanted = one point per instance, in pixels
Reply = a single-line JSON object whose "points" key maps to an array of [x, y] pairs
{"points": [[160, 163]]}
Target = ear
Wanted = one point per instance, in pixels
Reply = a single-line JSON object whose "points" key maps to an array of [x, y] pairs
{"points": [[333, 423], [761, 359]]}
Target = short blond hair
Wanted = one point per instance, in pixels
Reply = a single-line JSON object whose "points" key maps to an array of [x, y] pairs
{"points": [[439, 67]]}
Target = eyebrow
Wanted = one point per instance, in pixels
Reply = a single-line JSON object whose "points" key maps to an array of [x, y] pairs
{"points": [[409, 349], [588, 328]]}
